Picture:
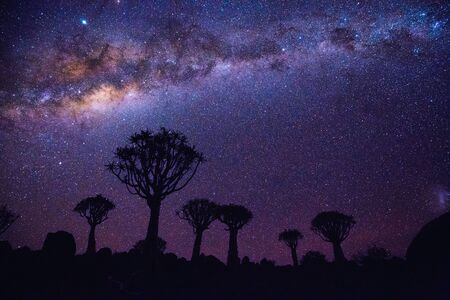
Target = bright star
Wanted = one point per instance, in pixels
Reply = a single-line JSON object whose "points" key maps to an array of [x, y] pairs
{"points": [[84, 22], [436, 25]]}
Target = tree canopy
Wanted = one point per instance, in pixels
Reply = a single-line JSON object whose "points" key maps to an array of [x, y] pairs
{"points": [[332, 226], [234, 216], [94, 209], [199, 213], [290, 237], [156, 164]]}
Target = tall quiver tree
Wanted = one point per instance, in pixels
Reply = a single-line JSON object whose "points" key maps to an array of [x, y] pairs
{"points": [[290, 237], [235, 217], [7, 218], [154, 165], [95, 210], [333, 227], [199, 213]]}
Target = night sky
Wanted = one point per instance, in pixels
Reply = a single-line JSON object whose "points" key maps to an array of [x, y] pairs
{"points": [[298, 106]]}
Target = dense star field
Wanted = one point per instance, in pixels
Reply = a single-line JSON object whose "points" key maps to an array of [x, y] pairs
{"points": [[299, 107]]}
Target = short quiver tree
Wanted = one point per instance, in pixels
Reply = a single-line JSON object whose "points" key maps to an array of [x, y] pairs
{"points": [[290, 237], [333, 227], [234, 217], [199, 213], [95, 210]]}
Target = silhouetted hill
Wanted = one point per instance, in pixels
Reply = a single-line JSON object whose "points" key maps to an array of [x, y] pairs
{"points": [[430, 249]]}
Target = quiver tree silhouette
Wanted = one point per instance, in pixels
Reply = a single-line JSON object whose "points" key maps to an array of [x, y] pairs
{"points": [[199, 213], [7, 218], [95, 210], [235, 217], [290, 237], [154, 165], [333, 227]]}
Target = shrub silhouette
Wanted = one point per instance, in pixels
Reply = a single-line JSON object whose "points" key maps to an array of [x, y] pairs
{"points": [[378, 253], [267, 263], [235, 217], [139, 247], [245, 260], [95, 210], [290, 237], [199, 213], [7, 218], [373, 255], [104, 252], [313, 258], [333, 227], [154, 165]]}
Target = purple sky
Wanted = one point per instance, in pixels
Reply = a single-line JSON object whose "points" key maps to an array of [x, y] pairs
{"points": [[299, 108]]}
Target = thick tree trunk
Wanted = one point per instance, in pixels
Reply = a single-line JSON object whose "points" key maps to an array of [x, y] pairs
{"points": [[294, 256], [197, 244], [233, 259], [91, 241], [151, 240], [338, 253]]}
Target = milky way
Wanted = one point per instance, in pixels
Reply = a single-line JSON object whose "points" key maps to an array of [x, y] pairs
{"points": [[298, 107]]}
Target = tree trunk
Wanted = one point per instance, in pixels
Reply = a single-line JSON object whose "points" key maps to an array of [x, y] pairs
{"points": [[197, 243], [294, 256], [151, 240], [338, 253], [233, 259], [91, 241]]}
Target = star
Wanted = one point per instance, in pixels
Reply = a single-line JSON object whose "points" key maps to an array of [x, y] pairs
{"points": [[299, 107]]}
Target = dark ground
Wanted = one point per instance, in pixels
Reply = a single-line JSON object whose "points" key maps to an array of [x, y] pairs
{"points": [[35, 275], [55, 272]]}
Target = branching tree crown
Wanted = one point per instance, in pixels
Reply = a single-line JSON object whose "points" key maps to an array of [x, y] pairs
{"points": [[332, 226], [199, 213], [94, 209], [234, 216], [7, 218], [156, 164], [290, 237]]}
